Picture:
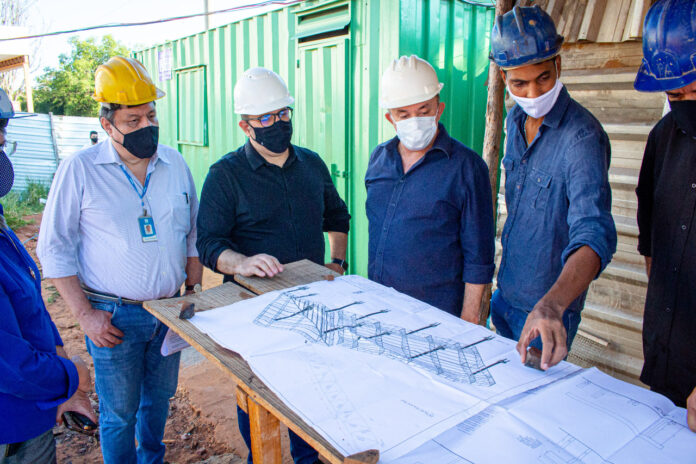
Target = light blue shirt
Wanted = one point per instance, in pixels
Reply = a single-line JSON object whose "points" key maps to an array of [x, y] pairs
{"points": [[90, 224]]}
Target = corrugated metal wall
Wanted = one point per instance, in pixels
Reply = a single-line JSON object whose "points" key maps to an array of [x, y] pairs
{"points": [[36, 159], [331, 54], [72, 133]]}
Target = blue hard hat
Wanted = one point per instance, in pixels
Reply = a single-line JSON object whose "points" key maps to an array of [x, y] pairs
{"points": [[6, 110], [669, 47], [524, 35]]}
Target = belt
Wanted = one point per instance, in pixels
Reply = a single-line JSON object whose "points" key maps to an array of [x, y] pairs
{"points": [[109, 297]]}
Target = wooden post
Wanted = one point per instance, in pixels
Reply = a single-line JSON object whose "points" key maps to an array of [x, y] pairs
{"points": [[27, 85], [491, 139], [265, 434]]}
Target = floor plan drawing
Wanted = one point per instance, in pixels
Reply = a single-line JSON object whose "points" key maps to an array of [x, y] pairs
{"points": [[339, 327]]}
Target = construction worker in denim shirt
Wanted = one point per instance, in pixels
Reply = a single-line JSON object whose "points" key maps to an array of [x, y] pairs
{"points": [[37, 381], [559, 234]]}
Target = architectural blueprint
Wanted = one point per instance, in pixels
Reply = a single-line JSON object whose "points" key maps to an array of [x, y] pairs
{"points": [[587, 418], [369, 367]]}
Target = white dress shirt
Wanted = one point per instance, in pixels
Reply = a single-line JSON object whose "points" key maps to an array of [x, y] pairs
{"points": [[90, 224]]}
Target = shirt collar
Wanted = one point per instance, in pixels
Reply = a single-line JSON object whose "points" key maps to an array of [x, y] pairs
{"points": [[443, 142], [107, 154], [553, 119], [255, 160]]}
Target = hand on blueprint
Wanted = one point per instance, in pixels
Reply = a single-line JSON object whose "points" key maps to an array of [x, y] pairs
{"points": [[691, 410], [545, 321], [259, 265]]}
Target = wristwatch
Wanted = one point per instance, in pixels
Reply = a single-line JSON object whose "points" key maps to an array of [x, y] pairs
{"points": [[341, 262]]}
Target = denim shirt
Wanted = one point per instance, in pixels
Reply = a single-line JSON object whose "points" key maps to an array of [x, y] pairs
{"points": [[558, 199], [430, 229], [34, 380]]}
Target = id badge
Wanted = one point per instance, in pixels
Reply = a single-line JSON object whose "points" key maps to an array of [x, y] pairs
{"points": [[147, 228]]}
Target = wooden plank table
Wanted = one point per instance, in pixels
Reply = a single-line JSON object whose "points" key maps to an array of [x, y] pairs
{"points": [[266, 411]]}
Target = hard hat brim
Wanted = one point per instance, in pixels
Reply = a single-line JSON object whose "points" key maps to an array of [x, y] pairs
{"points": [[647, 82], [407, 101], [159, 93], [530, 62], [265, 108]]}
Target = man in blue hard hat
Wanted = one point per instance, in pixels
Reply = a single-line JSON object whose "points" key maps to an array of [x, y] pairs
{"points": [[559, 234], [37, 381], [666, 205]]}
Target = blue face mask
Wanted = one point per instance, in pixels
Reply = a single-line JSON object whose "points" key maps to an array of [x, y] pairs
{"points": [[6, 174], [275, 138]]}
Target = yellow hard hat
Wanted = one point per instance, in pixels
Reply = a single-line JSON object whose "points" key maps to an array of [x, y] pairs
{"points": [[124, 81]]}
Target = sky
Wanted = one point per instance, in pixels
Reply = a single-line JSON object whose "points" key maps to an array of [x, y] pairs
{"points": [[55, 15]]}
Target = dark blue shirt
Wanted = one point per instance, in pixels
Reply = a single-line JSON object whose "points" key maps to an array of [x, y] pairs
{"points": [[34, 380], [558, 199], [251, 206], [431, 229]]}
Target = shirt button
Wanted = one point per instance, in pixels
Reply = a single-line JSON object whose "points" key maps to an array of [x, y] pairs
{"points": [[674, 269], [668, 310], [683, 226], [524, 161], [693, 186], [519, 186]]}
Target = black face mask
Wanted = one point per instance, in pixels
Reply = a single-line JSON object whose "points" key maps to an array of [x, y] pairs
{"points": [[275, 138], [94, 139], [684, 114], [141, 143], [6, 174]]}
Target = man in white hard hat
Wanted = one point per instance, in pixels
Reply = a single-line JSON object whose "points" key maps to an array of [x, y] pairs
{"points": [[269, 203], [429, 202], [119, 229]]}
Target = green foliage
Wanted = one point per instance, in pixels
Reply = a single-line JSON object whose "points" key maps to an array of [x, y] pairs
{"points": [[68, 89], [20, 204]]}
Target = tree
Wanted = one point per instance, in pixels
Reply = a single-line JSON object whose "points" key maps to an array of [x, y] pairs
{"points": [[68, 89], [14, 13]]}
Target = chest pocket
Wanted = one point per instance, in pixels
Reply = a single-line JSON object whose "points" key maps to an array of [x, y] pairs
{"points": [[180, 210], [538, 183]]}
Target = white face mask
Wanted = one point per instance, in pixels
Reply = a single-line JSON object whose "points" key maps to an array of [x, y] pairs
{"points": [[540, 106], [416, 133]]}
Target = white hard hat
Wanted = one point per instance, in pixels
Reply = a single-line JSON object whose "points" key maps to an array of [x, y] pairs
{"points": [[260, 91], [406, 81]]}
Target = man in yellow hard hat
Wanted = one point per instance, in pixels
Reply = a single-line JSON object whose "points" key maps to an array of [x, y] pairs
{"points": [[119, 229]]}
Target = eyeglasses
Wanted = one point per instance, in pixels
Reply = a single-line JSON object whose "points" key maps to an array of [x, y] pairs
{"points": [[9, 147], [269, 119]]}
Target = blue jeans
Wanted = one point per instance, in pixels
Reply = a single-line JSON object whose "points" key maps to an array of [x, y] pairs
{"points": [[134, 383], [301, 452], [38, 450], [509, 321]]}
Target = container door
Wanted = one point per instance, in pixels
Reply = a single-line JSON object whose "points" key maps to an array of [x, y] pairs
{"points": [[321, 107]]}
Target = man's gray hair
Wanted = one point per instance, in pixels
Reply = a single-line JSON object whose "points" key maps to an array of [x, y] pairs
{"points": [[108, 110]]}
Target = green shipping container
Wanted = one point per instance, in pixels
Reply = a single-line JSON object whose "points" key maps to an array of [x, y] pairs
{"points": [[332, 54]]}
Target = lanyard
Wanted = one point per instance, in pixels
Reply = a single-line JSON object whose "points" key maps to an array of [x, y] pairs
{"points": [[135, 187]]}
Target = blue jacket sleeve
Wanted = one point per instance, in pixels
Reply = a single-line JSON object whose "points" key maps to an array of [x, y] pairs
{"points": [[28, 373], [589, 198], [477, 233]]}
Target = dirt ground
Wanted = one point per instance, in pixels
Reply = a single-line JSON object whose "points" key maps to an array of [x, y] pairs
{"points": [[199, 431]]}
